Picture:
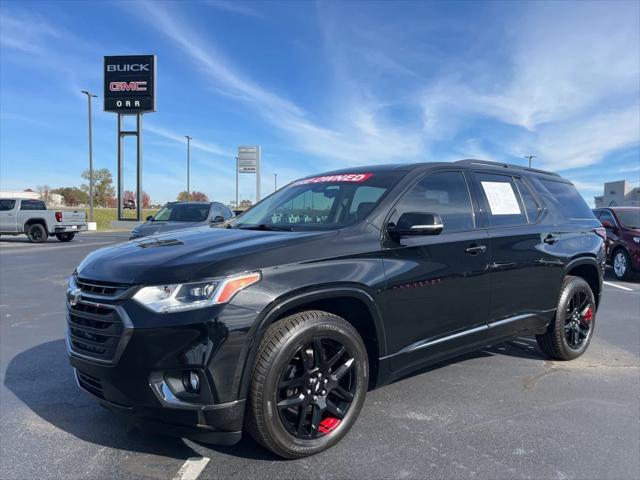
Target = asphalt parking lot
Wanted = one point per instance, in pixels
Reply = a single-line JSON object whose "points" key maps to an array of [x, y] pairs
{"points": [[504, 412]]}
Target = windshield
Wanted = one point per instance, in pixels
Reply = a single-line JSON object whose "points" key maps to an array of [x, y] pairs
{"points": [[183, 212], [320, 203], [629, 218]]}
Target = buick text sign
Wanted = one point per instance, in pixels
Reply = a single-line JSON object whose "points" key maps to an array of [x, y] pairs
{"points": [[130, 83]]}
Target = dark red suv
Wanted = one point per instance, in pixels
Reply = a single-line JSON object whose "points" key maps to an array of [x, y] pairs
{"points": [[623, 238]]}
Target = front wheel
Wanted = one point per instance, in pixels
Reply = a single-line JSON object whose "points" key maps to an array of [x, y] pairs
{"points": [[65, 237], [621, 263], [308, 385], [571, 331]]}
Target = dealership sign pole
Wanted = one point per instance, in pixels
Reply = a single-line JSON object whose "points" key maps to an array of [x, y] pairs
{"points": [[249, 162], [130, 89]]}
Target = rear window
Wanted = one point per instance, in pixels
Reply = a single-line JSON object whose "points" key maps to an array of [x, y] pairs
{"points": [[566, 199], [32, 205]]}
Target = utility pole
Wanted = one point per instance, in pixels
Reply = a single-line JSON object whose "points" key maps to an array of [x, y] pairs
{"points": [[237, 167], [530, 157], [89, 97], [188, 155], [275, 182]]}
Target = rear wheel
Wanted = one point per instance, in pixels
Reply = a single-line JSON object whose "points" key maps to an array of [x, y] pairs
{"points": [[621, 264], [308, 385], [65, 237], [37, 233], [571, 331]]}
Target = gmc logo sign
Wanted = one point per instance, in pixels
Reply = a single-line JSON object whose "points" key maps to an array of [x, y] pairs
{"points": [[128, 86]]}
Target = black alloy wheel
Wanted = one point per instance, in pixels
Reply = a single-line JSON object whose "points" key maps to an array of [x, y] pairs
{"points": [[37, 233], [308, 384], [316, 388], [569, 334], [578, 317]]}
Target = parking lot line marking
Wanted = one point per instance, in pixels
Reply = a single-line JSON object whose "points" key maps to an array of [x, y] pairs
{"points": [[192, 468], [619, 286]]}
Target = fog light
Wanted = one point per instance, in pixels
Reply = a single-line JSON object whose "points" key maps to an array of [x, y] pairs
{"points": [[194, 382]]}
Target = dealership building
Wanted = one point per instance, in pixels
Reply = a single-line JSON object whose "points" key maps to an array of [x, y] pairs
{"points": [[618, 194]]}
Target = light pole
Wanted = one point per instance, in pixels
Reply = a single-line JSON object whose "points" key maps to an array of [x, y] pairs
{"points": [[237, 167], [188, 155], [275, 182], [89, 97], [530, 157]]}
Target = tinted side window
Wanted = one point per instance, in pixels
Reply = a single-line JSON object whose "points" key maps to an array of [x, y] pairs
{"points": [[530, 205], [227, 214], [364, 199], [444, 193], [32, 205], [606, 216], [6, 205], [502, 203], [566, 199]]}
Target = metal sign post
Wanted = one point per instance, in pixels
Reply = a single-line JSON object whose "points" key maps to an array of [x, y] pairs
{"points": [[130, 89], [249, 162]]}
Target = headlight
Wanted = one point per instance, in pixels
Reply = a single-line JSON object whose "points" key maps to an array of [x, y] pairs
{"points": [[189, 296], [636, 239]]}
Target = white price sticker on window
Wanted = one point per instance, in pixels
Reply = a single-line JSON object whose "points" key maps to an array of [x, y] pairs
{"points": [[502, 199]]}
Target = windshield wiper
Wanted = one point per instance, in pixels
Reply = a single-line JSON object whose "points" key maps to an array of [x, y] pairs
{"points": [[265, 227]]}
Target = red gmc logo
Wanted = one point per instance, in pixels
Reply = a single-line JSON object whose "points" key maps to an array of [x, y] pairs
{"points": [[128, 86]]}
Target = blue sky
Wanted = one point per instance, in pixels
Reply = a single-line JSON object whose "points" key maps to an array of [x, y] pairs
{"points": [[324, 85]]}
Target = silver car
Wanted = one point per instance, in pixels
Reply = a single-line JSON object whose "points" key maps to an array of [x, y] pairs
{"points": [[181, 215]]}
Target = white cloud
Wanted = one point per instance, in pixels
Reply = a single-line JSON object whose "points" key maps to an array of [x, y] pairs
{"points": [[359, 138]]}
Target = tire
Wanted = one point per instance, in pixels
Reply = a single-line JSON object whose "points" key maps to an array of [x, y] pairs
{"points": [[621, 264], [65, 237], [570, 332], [37, 233], [287, 354]]}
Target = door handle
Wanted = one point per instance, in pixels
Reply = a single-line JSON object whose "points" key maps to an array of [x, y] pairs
{"points": [[551, 239], [475, 249]]}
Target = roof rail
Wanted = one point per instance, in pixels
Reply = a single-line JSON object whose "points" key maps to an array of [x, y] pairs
{"points": [[471, 161]]}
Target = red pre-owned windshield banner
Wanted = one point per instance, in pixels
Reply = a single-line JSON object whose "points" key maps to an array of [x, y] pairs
{"points": [[345, 177]]}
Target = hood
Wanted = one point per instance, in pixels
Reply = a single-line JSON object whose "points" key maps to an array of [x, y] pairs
{"points": [[151, 228], [196, 253]]}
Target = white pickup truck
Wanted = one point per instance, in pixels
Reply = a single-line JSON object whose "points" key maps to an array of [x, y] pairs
{"points": [[31, 217]]}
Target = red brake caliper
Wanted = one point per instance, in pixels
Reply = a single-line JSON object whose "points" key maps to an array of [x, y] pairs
{"points": [[588, 315], [328, 425]]}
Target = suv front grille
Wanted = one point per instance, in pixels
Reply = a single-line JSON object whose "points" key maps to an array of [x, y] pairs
{"points": [[94, 330], [97, 288]]}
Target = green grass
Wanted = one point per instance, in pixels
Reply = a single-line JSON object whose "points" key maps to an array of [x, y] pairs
{"points": [[104, 216]]}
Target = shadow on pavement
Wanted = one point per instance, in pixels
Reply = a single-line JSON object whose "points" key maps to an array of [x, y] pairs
{"points": [[42, 378]]}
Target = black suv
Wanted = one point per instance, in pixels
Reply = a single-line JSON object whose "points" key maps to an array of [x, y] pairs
{"points": [[278, 321]]}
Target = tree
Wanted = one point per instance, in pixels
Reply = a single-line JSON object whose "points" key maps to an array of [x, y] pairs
{"points": [[45, 193], [146, 200], [102, 185], [195, 197], [73, 196]]}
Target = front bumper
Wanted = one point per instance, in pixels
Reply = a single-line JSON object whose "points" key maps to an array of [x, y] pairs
{"points": [[140, 376]]}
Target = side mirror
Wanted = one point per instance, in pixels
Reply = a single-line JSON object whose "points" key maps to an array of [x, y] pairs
{"points": [[416, 223], [149, 218], [607, 224], [217, 219]]}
